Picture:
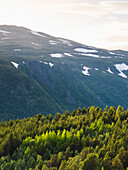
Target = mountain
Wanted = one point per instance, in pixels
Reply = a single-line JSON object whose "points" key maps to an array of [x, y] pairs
{"points": [[40, 73]]}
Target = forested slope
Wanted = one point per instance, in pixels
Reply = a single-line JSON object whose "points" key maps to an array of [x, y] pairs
{"points": [[89, 138]]}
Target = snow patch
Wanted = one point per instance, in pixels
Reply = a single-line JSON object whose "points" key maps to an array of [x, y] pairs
{"points": [[90, 55], [52, 42], [56, 55], [23, 62], [64, 41], [112, 53], [45, 63], [4, 32], [85, 71], [70, 45], [109, 70], [96, 69], [120, 54], [83, 50], [93, 55], [35, 44], [15, 64], [6, 38], [122, 75], [40, 61], [51, 64], [36, 33], [68, 54], [105, 57], [118, 57], [17, 49], [120, 68]]}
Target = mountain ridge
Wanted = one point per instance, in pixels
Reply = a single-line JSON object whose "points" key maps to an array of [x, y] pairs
{"points": [[65, 74]]}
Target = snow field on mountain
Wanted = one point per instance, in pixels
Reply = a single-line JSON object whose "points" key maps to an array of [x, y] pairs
{"points": [[36, 33], [15, 64], [85, 71], [83, 50], [109, 70], [68, 54], [56, 55], [120, 68]]}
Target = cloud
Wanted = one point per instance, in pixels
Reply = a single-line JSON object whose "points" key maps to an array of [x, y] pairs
{"points": [[117, 7], [96, 9], [101, 23], [81, 9]]}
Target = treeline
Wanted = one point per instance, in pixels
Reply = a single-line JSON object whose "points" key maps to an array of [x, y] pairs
{"points": [[88, 138]]}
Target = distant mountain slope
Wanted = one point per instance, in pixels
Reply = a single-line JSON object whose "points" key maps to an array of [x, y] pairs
{"points": [[40, 73], [21, 95]]}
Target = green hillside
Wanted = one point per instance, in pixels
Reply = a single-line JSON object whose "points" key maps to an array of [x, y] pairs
{"points": [[19, 94], [89, 138]]}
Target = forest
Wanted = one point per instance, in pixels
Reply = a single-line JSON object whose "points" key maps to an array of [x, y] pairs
{"points": [[86, 139]]}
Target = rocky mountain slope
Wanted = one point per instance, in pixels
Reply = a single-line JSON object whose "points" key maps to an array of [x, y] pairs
{"points": [[40, 73]]}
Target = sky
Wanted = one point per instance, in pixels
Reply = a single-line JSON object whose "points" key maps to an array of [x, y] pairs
{"points": [[98, 23]]}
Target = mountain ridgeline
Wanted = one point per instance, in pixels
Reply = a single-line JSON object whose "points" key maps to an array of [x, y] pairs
{"points": [[40, 73], [88, 138]]}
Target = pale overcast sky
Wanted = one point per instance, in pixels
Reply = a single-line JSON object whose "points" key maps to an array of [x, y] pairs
{"points": [[96, 23]]}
